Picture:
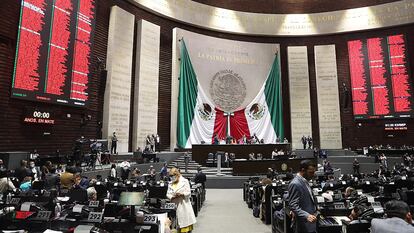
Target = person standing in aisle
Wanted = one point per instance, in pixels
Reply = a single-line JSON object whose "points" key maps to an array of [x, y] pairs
{"points": [[179, 192], [301, 200], [114, 143]]}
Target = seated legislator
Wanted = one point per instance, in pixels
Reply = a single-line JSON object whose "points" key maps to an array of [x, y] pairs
{"points": [[5, 182], [274, 153], [399, 219], [301, 200]]}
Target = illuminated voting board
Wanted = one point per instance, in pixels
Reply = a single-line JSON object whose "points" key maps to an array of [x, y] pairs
{"points": [[53, 54], [380, 78]]}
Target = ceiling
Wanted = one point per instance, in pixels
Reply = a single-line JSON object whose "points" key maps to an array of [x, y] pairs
{"points": [[291, 6]]}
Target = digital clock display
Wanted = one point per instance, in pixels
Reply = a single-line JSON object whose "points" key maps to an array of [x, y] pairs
{"points": [[38, 116]]}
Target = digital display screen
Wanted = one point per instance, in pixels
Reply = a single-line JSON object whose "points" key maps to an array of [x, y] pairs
{"points": [[53, 52], [380, 78]]}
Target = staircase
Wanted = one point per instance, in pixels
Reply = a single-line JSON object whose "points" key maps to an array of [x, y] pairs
{"points": [[192, 168]]}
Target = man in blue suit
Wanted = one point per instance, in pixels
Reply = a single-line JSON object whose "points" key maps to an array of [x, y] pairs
{"points": [[301, 200]]}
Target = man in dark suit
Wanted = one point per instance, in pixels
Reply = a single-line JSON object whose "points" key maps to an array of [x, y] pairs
{"points": [[304, 141], [399, 219], [200, 177], [301, 200]]}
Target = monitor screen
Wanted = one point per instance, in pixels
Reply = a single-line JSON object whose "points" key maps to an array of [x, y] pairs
{"points": [[53, 52], [380, 78], [157, 192], [131, 198]]}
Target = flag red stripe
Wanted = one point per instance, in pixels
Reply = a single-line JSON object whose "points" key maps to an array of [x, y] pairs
{"points": [[238, 125], [220, 125]]}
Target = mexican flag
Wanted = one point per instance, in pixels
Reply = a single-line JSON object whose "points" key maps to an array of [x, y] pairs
{"points": [[199, 119], [196, 113], [264, 114]]}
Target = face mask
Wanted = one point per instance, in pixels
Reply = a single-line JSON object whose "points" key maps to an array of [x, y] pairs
{"points": [[174, 179]]}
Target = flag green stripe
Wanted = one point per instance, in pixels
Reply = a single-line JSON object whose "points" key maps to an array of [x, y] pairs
{"points": [[187, 97], [273, 94]]}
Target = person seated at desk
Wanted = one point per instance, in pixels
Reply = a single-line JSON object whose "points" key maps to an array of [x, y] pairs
{"points": [[271, 173], [80, 181], [327, 167], [136, 175], [125, 169], [350, 192], [26, 185], [164, 171], [254, 139], [222, 141], [289, 174], [216, 139], [259, 156], [35, 171], [151, 170], [362, 209], [380, 172], [67, 179], [251, 156], [51, 178], [399, 219], [274, 153], [92, 194], [243, 140], [5, 182], [323, 154], [23, 171]]}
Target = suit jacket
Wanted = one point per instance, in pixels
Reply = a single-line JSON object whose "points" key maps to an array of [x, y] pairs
{"points": [[51, 180], [200, 178], [391, 225], [301, 202]]}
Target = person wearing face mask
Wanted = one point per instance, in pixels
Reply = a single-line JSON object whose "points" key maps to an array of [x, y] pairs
{"points": [[399, 219], [179, 192], [301, 200], [35, 171]]}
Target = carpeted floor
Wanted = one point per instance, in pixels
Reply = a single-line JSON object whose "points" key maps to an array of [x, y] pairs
{"points": [[224, 211]]}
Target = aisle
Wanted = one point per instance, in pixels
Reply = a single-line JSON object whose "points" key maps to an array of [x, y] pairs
{"points": [[224, 211]]}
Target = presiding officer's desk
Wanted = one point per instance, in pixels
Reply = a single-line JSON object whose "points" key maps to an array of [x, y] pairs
{"points": [[258, 167], [200, 151]]}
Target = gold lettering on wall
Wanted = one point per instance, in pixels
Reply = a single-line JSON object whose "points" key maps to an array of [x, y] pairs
{"points": [[379, 16]]}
